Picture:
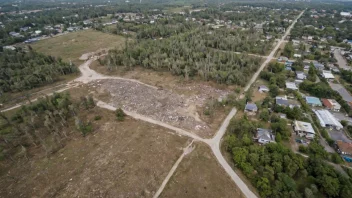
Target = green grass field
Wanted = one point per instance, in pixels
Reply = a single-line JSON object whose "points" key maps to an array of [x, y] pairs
{"points": [[72, 45]]}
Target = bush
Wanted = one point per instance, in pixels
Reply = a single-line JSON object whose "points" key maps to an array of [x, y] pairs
{"points": [[98, 117], [303, 149], [120, 115], [86, 128], [344, 123], [336, 158]]}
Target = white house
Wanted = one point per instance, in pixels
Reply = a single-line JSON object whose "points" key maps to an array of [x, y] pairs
{"points": [[291, 85], [297, 55], [263, 88], [304, 129], [327, 75], [326, 119], [345, 14], [300, 75]]}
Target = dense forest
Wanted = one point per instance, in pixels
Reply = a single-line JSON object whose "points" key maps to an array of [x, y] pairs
{"points": [[278, 172], [21, 70], [190, 54]]}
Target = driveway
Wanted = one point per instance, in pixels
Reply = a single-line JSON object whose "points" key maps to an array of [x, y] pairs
{"points": [[338, 135], [341, 61], [341, 116]]}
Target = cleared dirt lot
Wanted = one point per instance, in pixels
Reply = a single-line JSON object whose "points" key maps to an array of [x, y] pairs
{"points": [[159, 104], [199, 175], [174, 101], [72, 45], [120, 159]]}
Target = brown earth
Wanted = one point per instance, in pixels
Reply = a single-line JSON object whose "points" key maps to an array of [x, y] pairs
{"points": [[119, 159], [176, 101], [199, 175]]}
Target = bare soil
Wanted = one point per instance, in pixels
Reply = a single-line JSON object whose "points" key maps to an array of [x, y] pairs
{"points": [[119, 159], [174, 102], [199, 175]]}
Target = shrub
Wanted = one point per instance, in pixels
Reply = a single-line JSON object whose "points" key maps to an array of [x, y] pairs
{"points": [[120, 115], [98, 117]]}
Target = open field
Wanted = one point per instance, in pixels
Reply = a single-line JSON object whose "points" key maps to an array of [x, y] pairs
{"points": [[199, 175], [118, 158], [72, 45]]}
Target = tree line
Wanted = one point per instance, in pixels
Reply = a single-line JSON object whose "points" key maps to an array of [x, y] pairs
{"points": [[21, 70], [188, 55]]}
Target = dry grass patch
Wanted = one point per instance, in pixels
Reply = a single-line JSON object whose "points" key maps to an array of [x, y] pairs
{"points": [[200, 175], [128, 159], [72, 45]]}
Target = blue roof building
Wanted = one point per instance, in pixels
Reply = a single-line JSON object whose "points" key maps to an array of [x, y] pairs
{"points": [[313, 101]]}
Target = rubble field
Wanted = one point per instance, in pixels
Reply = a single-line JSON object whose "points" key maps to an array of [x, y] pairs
{"points": [[160, 104]]}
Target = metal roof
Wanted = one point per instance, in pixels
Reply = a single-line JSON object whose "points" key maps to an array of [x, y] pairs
{"points": [[327, 119]]}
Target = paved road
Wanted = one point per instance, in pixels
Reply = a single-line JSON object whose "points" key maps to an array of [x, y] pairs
{"points": [[338, 135], [272, 53], [341, 61]]}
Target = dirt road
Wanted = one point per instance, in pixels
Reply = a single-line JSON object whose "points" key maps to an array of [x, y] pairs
{"points": [[186, 151], [89, 75]]}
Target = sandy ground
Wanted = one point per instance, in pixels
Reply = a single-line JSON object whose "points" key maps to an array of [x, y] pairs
{"points": [[121, 159], [193, 177]]}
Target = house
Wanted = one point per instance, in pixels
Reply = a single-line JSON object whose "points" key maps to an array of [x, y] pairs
{"points": [[327, 75], [9, 47], [283, 116], [344, 148], [251, 108], [318, 66], [300, 75], [24, 29], [264, 136], [282, 59], [304, 129], [15, 34], [263, 88], [313, 101], [293, 103], [281, 101], [291, 85], [345, 14], [295, 42], [297, 55], [331, 104], [284, 102], [326, 119]]}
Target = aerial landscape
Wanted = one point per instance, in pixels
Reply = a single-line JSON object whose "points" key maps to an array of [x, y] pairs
{"points": [[174, 98]]}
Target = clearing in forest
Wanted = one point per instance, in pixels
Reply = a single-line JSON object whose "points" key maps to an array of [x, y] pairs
{"points": [[72, 45], [125, 159], [182, 111]]}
